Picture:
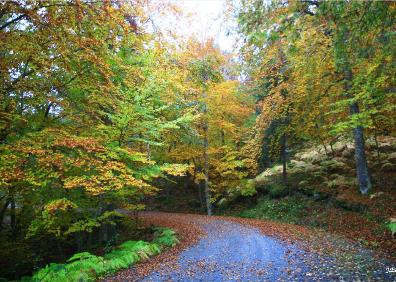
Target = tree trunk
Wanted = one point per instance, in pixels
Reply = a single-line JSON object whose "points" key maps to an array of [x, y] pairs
{"points": [[222, 137], [206, 159], [13, 219], [206, 182], [79, 239], [60, 249], [284, 158], [2, 213], [362, 172], [360, 155], [148, 152], [377, 145], [201, 200]]}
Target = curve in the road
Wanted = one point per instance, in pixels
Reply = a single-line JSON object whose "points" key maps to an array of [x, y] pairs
{"points": [[237, 252]]}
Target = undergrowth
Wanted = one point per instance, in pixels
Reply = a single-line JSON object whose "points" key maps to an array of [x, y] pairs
{"points": [[290, 209], [88, 267]]}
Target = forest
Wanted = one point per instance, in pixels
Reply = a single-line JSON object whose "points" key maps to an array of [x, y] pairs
{"points": [[124, 141]]}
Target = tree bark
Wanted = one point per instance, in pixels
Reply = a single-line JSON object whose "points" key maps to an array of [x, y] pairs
{"points": [[360, 155], [148, 152], [284, 158], [13, 219], [206, 158], [2, 213], [362, 172], [222, 137]]}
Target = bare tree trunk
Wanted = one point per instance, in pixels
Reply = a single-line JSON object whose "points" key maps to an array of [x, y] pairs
{"points": [[60, 249], [324, 146], [201, 200], [358, 135], [13, 218], [206, 158], [376, 144], [284, 158], [222, 137]]}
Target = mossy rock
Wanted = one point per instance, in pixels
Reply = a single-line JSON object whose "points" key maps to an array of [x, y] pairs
{"points": [[336, 180], [303, 183], [318, 176], [348, 153], [332, 166], [311, 156], [388, 167], [392, 157], [307, 190], [347, 202], [268, 174], [321, 195], [387, 145], [303, 167]]}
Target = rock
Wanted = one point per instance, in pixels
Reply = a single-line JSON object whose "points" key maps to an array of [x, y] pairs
{"points": [[303, 183], [388, 167], [319, 196], [314, 156], [375, 195], [333, 165], [341, 180], [348, 153], [392, 157], [386, 143]]}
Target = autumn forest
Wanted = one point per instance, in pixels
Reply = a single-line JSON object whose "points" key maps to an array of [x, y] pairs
{"points": [[126, 144]]}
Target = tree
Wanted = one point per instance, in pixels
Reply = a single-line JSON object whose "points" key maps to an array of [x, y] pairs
{"points": [[328, 47]]}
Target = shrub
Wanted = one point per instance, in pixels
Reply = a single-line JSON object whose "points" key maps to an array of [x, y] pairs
{"points": [[276, 190], [249, 188]]}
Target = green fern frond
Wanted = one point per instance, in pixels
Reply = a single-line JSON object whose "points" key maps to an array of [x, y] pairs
{"points": [[85, 266]]}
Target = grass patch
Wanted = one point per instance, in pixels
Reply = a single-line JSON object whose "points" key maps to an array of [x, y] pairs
{"points": [[88, 267]]}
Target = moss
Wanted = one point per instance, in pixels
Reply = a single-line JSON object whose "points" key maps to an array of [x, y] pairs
{"points": [[332, 166]]}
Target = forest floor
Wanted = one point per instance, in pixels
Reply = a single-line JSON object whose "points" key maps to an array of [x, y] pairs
{"points": [[235, 249]]}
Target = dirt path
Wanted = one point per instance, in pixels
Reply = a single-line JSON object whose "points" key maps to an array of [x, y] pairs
{"points": [[233, 249]]}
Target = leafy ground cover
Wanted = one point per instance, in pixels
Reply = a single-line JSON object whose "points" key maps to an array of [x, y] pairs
{"points": [[88, 267]]}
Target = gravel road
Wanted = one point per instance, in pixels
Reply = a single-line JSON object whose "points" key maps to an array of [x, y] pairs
{"points": [[226, 249]]}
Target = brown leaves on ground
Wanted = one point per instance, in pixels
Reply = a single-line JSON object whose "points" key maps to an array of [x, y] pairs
{"points": [[188, 228]]}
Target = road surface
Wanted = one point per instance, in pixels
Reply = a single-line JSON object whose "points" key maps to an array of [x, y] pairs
{"points": [[227, 249]]}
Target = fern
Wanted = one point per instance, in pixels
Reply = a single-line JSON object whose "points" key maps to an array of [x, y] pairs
{"points": [[81, 256], [88, 267], [165, 237], [392, 227]]}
